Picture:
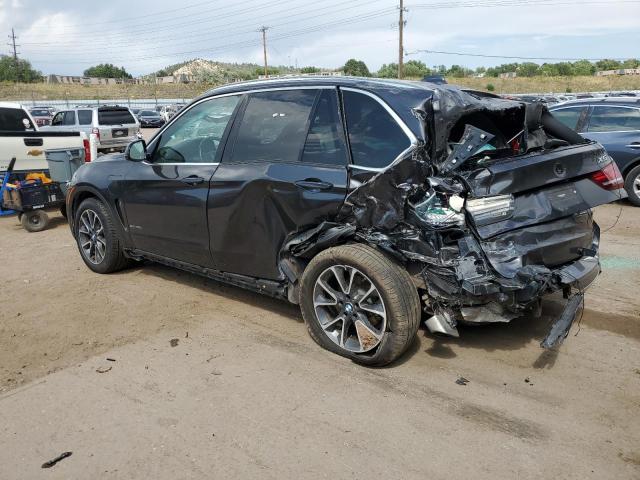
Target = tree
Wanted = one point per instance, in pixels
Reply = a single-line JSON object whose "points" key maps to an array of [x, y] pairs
{"points": [[415, 69], [309, 70], [356, 68], [106, 70], [527, 69], [490, 87], [458, 71], [388, 71], [24, 72], [270, 71], [607, 64]]}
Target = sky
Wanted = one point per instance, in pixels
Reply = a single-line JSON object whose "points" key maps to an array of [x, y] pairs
{"points": [[65, 37]]}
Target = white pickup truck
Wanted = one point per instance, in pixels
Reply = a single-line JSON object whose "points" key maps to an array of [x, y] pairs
{"points": [[20, 138]]}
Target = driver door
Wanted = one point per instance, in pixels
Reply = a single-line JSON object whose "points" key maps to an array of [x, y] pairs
{"points": [[165, 197]]}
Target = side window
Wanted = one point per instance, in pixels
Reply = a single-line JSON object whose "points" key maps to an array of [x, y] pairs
{"points": [[69, 118], [57, 119], [84, 117], [376, 138], [570, 116], [196, 135], [274, 126], [325, 143], [614, 119]]}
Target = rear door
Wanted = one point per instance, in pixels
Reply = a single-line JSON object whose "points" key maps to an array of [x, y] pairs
{"points": [[165, 198], [284, 169], [617, 128]]}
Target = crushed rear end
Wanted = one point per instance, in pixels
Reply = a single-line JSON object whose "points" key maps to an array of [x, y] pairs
{"points": [[489, 212]]}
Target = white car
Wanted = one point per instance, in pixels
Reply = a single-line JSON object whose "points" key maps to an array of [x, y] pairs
{"points": [[21, 139]]}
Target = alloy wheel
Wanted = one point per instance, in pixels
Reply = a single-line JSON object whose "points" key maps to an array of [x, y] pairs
{"points": [[91, 237], [636, 185], [349, 308]]}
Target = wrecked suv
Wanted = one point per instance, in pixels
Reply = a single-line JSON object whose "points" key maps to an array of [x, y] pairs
{"points": [[369, 203]]}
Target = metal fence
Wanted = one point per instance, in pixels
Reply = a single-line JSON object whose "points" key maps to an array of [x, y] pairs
{"points": [[149, 103]]}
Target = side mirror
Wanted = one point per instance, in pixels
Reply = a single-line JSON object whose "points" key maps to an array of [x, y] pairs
{"points": [[136, 151]]}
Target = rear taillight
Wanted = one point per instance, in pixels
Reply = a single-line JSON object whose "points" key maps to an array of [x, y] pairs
{"points": [[87, 150], [96, 132], [609, 177]]}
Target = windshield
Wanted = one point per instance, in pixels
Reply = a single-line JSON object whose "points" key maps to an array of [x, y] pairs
{"points": [[40, 113], [148, 113]]}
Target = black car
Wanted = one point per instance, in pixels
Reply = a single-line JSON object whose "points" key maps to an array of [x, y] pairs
{"points": [[615, 123], [150, 119], [365, 201]]}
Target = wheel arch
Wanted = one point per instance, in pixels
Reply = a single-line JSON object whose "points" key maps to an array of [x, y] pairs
{"points": [[84, 192]]}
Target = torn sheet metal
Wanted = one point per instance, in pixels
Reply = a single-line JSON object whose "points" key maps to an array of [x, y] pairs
{"points": [[490, 209]]}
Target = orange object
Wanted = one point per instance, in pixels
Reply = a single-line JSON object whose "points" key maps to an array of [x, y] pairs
{"points": [[38, 176]]}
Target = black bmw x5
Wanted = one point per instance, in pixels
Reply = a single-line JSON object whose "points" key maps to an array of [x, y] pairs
{"points": [[370, 203]]}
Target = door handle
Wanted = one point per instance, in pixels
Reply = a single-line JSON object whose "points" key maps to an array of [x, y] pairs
{"points": [[33, 142], [192, 180], [633, 145], [313, 184]]}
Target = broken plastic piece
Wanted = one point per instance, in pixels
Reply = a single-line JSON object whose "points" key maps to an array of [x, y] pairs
{"points": [[561, 327]]}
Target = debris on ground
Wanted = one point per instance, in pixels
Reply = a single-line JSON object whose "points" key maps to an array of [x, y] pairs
{"points": [[51, 463], [103, 369], [216, 372], [528, 380], [111, 359], [174, 342], [462, 381]]}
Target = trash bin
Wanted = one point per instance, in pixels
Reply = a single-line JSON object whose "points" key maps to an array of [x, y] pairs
{"points": [[63, 163]]}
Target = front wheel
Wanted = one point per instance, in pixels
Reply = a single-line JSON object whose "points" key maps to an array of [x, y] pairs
{"points": [[360, 304], [97, 239], [632, 186]]}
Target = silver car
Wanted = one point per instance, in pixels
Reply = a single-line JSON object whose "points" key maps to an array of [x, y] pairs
{"points": [[115, 127]]}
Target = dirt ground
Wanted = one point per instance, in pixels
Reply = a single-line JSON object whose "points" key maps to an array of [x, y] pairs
{"points": [[201, 380]]}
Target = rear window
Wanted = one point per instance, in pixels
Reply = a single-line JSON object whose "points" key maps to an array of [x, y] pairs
{"points": [[148, 113], [119, 116], [40, 113], [14, 120], [570, 116]]}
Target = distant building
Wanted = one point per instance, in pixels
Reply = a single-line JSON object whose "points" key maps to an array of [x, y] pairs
{"points": [[508, 75], [319, 74], [622, 71], [74, 80]]}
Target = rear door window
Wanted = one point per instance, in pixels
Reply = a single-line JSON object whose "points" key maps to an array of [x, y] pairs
{"points": [[571, 116], [614, 119], [85, 117], [274, 126], [376, 139], [325, 142], [57, 119], [14, 120], [69, 118], [115, 116]]}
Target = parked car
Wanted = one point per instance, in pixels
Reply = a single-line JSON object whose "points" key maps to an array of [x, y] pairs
{"points": [[150, 119], [135, 111], [168, 111], [364, 201], [114, 126], [615, 123], [42, 116], [21, 139]]}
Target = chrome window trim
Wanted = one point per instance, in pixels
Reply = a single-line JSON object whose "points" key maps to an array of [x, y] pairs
{"points": [[413, 141]]}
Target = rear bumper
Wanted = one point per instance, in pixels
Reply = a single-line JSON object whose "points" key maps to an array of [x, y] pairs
{"points": [[116, 143]]}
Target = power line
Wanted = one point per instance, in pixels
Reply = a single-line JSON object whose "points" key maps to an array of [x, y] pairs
{"points": [[512, 57]]}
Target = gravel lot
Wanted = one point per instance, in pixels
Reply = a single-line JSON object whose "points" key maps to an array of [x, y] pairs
{"points": [[245, 393]]}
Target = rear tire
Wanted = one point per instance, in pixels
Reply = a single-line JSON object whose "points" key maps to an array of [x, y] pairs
{"points": [[395, 304], [632, 185], [34, 221], [97, 238]]}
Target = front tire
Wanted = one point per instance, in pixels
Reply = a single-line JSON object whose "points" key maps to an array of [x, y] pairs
{"points": [[360, 304], [632, 185], [97, 238]]}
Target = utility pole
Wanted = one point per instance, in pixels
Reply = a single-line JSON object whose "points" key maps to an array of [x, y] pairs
{"points": [[264, 29], [13, 45], [400, 42]]}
